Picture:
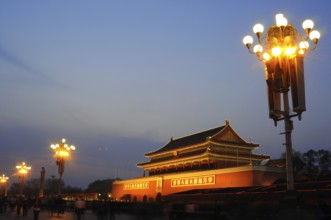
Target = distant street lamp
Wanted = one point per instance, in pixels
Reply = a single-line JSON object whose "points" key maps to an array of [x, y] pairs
{"points": [[22, 172], [62, 151], [4, 182], [282, 50]]}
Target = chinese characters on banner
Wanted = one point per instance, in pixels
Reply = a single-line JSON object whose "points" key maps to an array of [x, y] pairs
{"points": [[138, 185], [193, 181]]}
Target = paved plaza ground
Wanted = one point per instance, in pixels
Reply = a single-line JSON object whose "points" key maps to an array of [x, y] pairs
{"points": [[88, 215]]}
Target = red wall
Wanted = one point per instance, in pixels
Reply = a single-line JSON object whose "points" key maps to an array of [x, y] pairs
{"points": [[246, 177]]}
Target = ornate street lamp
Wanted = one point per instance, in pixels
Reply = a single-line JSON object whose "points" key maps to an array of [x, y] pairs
{"points": [[4, 182], [22, 172], [62, 151], [282, 50]]}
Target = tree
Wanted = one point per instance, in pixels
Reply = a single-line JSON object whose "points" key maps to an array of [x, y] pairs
{"points": [[324, 163], [317, 164], [314, 165], [101, 186], [51, 186], [311, 166], [67, 189], [31, 187], [14, 189], [298, 163]]}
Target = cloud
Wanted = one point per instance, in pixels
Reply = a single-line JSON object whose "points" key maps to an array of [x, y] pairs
{"points": [[25, 69]]}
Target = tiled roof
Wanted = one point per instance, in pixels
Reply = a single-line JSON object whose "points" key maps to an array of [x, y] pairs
{"points": [[200, 152], [170, 158], [188, 140], [276, 163]]}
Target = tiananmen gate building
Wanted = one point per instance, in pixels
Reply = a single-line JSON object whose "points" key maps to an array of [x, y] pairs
{"points": [[211, 159]]}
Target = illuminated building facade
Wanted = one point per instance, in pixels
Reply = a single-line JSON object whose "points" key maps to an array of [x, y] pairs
{"points": [[215, 158]]}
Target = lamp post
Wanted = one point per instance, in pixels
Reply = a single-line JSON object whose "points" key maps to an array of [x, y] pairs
{"points": [[282, 50], [42, 182], [62, 151], [4, 182], [22, 172]]}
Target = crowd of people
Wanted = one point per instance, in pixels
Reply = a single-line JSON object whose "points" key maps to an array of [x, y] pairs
{"points": [[54, 205], [103, 209]]}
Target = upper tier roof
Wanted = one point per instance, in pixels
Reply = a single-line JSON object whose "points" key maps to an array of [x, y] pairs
{"points": [[214, 134], [188, 140]]}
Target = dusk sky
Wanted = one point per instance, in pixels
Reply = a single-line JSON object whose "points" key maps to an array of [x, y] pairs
{"points": [[118, 78]]}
